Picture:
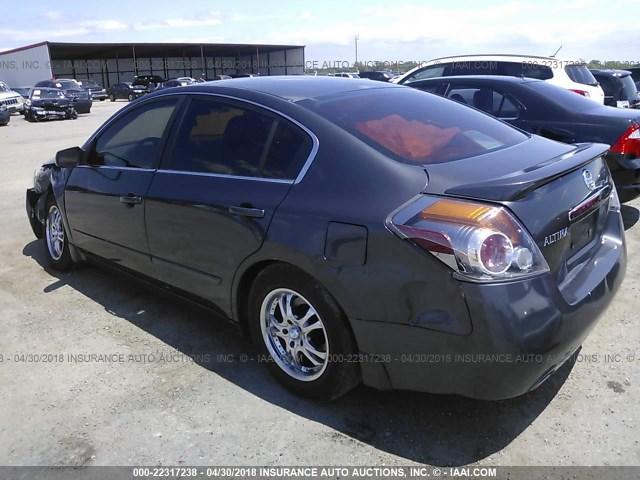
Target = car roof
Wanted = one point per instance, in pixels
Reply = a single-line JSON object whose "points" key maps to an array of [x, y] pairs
{"points": [[291, 88], [501, 56], [478, 78]]}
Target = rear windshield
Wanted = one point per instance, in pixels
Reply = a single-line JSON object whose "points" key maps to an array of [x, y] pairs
{"points": [[629, 90], [581, 74], [416, 127]]}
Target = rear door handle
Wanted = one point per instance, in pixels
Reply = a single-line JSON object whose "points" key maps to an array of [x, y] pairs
{"points": [[131, 200], [247, 212]]}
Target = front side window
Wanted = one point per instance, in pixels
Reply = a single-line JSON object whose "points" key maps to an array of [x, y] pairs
{"points": [[222, 138], [134, 140], [427, 72]]}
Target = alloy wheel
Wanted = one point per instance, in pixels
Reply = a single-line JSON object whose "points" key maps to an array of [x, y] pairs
{"points": [[294, 334], [55, 233]]}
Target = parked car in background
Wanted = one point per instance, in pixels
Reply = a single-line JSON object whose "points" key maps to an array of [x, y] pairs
{"points": [[80, 98], [220, 77], [343, 219], [10, 99], [176, 83], [573, 76], [552, 112], [98, 92], [150, 82], [635, 74], [5, 115], [126, 91], [345, 75], [24, 91], [619, 88], [380, 76], [48, 104]]}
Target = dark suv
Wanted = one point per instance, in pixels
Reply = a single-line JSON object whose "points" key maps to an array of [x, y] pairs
{"points": [[635, 74], [98, 92], [377, 75], [619, 88], [80, 98]]}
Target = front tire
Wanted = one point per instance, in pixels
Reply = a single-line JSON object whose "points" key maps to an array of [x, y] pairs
{"points": [[112, 97], [132, 97], [56, 241], [300, 329]]}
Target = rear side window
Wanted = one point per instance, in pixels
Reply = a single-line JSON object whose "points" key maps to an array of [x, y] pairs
{"points": [[525, 69], [486, 99], [580, 74], [222, 138], [415, 127], [474, 67], [134, 140]]}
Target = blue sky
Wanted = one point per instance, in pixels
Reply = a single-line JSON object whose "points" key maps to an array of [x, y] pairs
{"points": [[404, 30]]}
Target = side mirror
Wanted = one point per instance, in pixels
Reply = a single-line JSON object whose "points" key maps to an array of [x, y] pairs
{"points": [[69, 157]]}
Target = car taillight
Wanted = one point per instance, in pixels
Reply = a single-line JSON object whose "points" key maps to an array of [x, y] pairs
{"points": [[584, 93], [480, 242], [629, 143]]}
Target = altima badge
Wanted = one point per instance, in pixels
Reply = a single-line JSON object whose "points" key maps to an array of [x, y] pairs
{"points": [[588, 179]]}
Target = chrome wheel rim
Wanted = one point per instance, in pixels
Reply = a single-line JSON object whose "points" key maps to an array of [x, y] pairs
{"points": [[294, 334], [55, 233]]}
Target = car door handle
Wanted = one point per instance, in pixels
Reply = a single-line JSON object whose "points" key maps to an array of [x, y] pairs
{"points": [[131, 200], [247, 211]]}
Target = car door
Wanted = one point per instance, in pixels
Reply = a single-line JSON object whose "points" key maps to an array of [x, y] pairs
{"points": [[227, 167], [104, 196]]}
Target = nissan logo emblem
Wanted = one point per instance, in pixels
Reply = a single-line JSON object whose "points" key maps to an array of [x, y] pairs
{"points": [[588, 179]]}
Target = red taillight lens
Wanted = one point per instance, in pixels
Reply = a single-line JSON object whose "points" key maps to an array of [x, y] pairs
{"points": [[629, 143], [584, 93], [481, 242]]}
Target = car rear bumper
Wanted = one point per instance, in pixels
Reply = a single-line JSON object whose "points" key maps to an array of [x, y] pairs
{"points": [[522, 332], [99, 95], [83, 106]]}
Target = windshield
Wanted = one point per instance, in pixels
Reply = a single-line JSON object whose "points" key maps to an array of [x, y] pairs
{"points": [[4, 88], [416, 127], [41, 94], [68, 85], [89, 84], [581, 74]]}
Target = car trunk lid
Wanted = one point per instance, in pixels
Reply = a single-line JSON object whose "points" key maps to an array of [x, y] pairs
{"points": [[559, 192]]}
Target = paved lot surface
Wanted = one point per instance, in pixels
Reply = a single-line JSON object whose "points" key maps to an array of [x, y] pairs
{"points": [[167, 410]]}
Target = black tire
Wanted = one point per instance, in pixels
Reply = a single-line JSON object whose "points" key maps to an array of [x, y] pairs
{"points": [[132, 97], [338, 373], [59, 259], [112, 97], [102, 99], [628, 195]]}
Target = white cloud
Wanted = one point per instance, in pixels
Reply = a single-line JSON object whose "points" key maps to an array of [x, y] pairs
{"points": [[211, 18], [53, 15]]}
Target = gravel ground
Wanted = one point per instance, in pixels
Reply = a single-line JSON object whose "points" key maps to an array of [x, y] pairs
{"points": [[161, 394]]}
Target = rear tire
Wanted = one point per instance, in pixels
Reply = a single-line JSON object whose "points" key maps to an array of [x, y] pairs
{"points": [[132, 97], [56, 241], [302, 334], [628, 194]]}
